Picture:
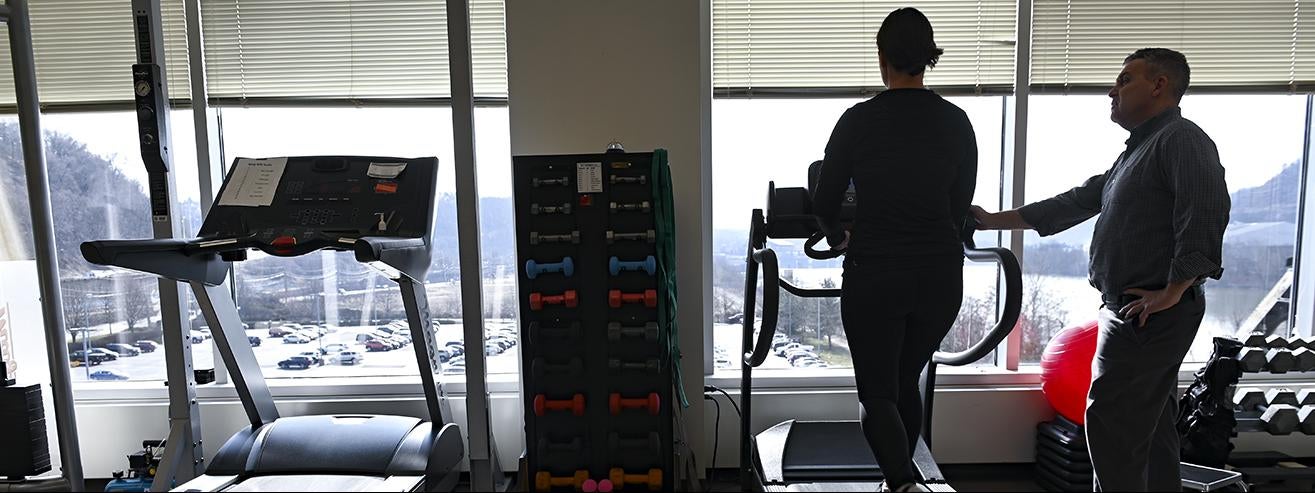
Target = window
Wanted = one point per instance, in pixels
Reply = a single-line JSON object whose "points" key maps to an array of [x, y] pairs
{"points": [[775, 139], [1260, 142]]}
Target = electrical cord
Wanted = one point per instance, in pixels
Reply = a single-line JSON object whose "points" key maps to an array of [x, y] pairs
{"points": [[716, 438], [714, 388]]}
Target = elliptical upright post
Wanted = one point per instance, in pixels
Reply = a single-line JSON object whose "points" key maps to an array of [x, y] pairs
{"points": [[183, 458]]}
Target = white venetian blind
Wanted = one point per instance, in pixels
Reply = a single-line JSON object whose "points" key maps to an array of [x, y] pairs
{"points": [[1235, 44], [288, 50], [789, 46], [84, 51]]}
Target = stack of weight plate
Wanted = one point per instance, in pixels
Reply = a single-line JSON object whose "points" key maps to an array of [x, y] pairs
{"points": [[1062, 463]]}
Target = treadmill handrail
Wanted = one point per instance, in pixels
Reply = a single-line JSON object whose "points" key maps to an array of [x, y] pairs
{"points": [[771, 302], [1013, 276], [168, 258]]}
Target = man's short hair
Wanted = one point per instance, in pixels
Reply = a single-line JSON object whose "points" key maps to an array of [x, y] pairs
{"points": [[1166, 62]]}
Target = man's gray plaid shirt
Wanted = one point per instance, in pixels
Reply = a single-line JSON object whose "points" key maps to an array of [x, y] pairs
{"points": [[1163, 209]]}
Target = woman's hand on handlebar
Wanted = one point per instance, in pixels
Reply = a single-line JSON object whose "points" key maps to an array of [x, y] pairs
{"points": [[844, 244]]}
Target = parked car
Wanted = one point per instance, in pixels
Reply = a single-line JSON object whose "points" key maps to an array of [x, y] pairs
{"points": [[254, 341], [123, 349], [147, 346], [298, 362], [334, 348], [314, 356], [349, 357], [82, 357], [109, 355], [295, 339], [197, 336], [377, 345], [108, 375], [280, 331]]}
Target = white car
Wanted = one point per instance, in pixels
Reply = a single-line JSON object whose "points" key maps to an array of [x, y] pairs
{"points": [[295, 338]]}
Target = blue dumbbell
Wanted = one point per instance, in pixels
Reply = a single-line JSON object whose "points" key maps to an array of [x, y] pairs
{"points": [[616, 265], [533, 269]]}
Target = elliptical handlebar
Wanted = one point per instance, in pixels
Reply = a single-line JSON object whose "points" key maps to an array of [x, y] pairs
{"points": [[771, 303], [1013, 277], [816, 254]]}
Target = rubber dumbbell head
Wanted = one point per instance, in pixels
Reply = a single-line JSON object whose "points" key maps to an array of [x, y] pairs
{"points": [[1280, 419], [573, 367], [615, 298], [615, 331], [1306, 419], [1304, 359], [1248, 398], [545, 481], [1252, 359], [1279, 360], [1281, 396], [1306, 397], [567, 298], [1276, 341], [1255, 339]]}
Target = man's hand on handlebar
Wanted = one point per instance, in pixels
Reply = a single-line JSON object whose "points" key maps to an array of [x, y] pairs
{"points": [[1000, 220], [844, 244]]}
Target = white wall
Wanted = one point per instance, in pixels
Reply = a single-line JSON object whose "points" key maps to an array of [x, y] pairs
{"points": [[582, 73]]}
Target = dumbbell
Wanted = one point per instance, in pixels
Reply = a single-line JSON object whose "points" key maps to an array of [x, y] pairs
{"points": [[649, 236], [1260, 339], [543, 404], [1304, 359], [571, 448], [536, 209], [602, 486], [650, 443], [615, 330], [650, 365], [568, 298], [545, 481], [653, 479], [538, 182], [533, 269], [1255, 359], [616, 265], [643, 206], [641, 179], [1278, 408], [573, 367], [536, 238], [615, 298], [1307, 342], [571, 331], [652, 403]]}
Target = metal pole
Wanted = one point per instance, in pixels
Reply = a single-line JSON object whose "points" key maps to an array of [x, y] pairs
{"points": [[485, 473], [43, 233], [1014, 166]]}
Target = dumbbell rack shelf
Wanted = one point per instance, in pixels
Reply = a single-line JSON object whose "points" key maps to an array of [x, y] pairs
{"points": [[597, 385]]}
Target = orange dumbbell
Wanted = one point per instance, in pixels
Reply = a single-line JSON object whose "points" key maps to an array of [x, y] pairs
{"points": [[620, 479], [544, 480], [616, 403], [543, 404], [568, 298], [615, 298]]}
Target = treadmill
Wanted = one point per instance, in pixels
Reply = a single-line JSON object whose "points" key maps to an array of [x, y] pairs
{"points": [[833, 455], [380, 208]]}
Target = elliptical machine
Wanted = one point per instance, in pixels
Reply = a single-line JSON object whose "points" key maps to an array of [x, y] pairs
{"points": [[833, 455]]}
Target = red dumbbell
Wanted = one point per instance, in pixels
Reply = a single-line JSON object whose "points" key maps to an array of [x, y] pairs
{"points": [[616, 403], [568, 298], [575, 404], [619, 478], [545, 481], [615, 298]]}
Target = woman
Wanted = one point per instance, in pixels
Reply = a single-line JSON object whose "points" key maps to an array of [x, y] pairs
{"points": [[912, 158]]}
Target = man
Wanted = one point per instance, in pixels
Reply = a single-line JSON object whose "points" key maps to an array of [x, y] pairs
{"points": [[1164, 206]]}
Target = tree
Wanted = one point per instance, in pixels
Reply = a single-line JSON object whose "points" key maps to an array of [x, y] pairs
{"points": [[1043, 317], [137, 302]]}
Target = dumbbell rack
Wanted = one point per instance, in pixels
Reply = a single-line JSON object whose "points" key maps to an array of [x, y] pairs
{"points": [[597, 379]]}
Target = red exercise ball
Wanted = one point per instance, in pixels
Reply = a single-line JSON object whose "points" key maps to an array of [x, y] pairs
{"points": [[1066, 370]]}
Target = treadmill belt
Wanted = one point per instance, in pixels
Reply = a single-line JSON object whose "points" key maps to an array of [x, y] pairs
{"points": [[310, 482], [821, 450]]}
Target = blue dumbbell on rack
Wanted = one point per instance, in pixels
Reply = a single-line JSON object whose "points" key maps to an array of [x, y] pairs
{"points": [[616, 265], [533, 269]]}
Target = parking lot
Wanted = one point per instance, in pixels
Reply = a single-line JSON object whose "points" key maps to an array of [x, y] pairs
{"points": [[272, 350]]}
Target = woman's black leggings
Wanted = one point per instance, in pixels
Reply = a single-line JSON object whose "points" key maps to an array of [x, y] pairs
{"points": [[895, 318]]}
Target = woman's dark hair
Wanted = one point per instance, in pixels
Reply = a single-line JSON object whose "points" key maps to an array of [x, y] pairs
{"points": [[905, 38]]}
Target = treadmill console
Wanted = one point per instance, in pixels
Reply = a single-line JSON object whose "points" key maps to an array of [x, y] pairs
{"points": [[291, 206]]}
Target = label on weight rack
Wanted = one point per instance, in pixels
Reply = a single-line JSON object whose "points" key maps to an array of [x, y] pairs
{"points": [[589, 177]]}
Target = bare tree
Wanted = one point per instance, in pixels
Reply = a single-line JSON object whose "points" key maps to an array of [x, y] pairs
{"points": [[137, 304], [78, 309], [1043, 317]]}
